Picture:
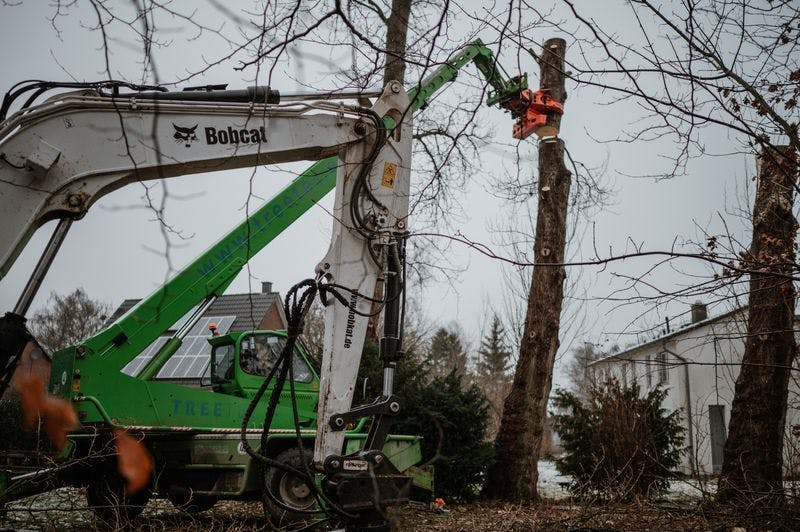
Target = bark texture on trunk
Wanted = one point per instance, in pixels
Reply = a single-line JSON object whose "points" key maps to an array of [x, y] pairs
{"points": [[752, 468], [396, 35], [515, 473]]}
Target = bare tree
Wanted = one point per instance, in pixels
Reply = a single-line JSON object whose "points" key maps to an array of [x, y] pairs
{"points": [[718, 64], [577, 369], [68, 319], [732, 68], [514, 474], [752, 469], [314, 333]]}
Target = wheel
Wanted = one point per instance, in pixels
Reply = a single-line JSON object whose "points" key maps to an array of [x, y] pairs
{"points": [[289, 489], [109, 501], [186, 501]]}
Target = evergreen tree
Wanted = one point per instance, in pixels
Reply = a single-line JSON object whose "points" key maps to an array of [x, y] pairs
{"points": [[447, 354], [494, 362], [494, 356], [451, 416], [618, 443]]}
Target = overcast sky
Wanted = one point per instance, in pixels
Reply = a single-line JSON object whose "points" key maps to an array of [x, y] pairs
{"points": [[118, 251]]}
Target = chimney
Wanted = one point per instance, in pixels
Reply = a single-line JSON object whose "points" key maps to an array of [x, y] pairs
{"points": [[699, 312], [266, 287]]}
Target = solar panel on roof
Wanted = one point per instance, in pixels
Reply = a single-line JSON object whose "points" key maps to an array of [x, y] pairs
{"points": [[137, 364], [186, 317], [192, 357]]}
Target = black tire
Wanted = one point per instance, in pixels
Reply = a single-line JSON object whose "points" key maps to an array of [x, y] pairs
{"points": [[110, 502], [289, 489], [190, 503]]}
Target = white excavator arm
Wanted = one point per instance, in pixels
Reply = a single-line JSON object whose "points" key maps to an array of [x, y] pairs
{"points": [[371, 228], [58, 158]]}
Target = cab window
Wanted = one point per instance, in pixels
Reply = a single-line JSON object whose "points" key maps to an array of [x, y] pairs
{"points": [[222, 355], [259, 353]]}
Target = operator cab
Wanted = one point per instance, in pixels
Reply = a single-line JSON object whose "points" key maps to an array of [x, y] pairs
{"points": [[240, 361]]}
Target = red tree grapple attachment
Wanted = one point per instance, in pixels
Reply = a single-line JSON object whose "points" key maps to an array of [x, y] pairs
{"points": [[531, 110]]}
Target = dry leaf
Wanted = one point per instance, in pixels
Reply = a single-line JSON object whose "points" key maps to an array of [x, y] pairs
{"points": [[58, 415], [31, 392], [59, 419], [134, 461]]}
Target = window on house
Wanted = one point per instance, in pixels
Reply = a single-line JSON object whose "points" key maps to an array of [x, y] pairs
{"points": [[663, 370], [648, 372], [716, 420]]}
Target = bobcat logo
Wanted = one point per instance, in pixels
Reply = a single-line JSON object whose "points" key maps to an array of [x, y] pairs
{"points": [[184, 134]]}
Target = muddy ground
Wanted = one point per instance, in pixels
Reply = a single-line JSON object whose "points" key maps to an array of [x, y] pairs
{"points": [[66, 510], [684, 507]]}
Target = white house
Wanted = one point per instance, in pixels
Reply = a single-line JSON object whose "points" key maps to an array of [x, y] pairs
{"points": [[698, 363]]}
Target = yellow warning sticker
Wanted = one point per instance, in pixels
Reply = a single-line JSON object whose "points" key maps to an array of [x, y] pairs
{"points": [[389, 173]]}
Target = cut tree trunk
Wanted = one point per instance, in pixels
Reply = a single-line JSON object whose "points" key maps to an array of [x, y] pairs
{"points": [[514, 474], [394, 70], [752, 467], [396, 36]]}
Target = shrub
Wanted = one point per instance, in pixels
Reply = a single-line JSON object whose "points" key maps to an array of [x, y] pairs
{"points": [[450, 416], [618, 443], [452, 419]]}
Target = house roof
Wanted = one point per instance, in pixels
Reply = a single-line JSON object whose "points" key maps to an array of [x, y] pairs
{"points": [[231, 313], [249, 309], [681, 330], [36, 345]]}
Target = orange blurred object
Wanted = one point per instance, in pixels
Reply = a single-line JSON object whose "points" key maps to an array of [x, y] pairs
{"points": [[134, 461], [57, 415]]}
